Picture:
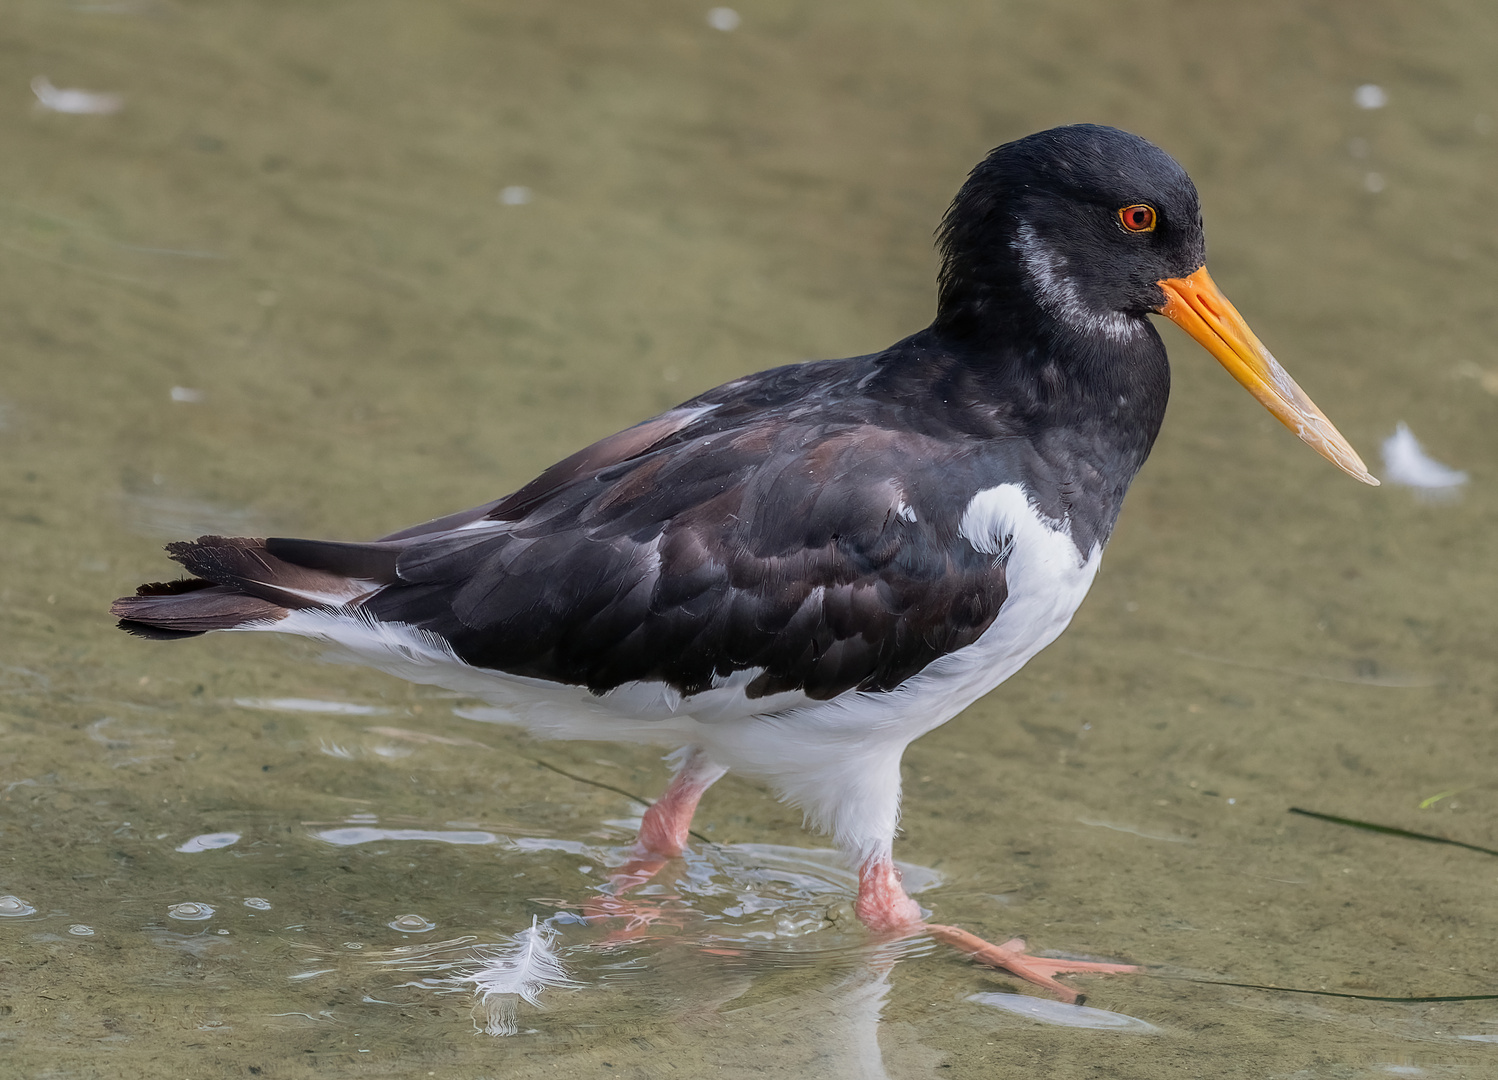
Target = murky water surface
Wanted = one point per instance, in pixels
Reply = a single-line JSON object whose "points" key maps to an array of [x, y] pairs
{"points": [[331, 269]]}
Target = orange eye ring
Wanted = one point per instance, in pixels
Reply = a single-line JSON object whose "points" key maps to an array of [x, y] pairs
{"points": [[1138, 218]]}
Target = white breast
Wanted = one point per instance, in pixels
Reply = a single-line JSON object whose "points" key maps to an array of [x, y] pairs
{"points": [[1046, 575]]}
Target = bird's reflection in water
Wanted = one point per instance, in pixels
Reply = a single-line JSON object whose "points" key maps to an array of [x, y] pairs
{"points": [[823, 1019]]}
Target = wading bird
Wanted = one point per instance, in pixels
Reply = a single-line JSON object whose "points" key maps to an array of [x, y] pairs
{"points": [[796, 574]]}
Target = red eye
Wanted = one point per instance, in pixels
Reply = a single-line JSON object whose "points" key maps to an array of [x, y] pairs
{"points": [[1138, 218]]}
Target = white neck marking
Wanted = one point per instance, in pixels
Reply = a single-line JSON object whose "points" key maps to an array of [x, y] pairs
{"points": [[1059, 294]]}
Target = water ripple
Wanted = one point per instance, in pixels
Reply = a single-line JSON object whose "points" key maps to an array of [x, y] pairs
{"points": [[310, 705], [190, 911], [210, 841], [13, 907]]}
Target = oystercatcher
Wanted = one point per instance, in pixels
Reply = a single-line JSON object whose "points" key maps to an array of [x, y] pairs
{"points": [[799, 572]]}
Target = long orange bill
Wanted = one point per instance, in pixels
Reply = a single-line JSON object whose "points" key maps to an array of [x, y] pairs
{"points": [[1197, 306]]}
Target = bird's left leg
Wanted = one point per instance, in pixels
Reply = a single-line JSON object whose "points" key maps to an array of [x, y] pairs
{"points": [[663, 832], [662, 837], [884, 907]]}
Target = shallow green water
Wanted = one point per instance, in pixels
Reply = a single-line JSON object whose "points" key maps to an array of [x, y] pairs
{"points": [[297, 216]]}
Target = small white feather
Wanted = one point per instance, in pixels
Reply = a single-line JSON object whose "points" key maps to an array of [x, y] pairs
{"points": [[79, 102], [1407, 463], [518, 973]]}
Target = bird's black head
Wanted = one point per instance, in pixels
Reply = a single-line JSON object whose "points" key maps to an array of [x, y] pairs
{"points": [[1055, 251], [1068, 230]]}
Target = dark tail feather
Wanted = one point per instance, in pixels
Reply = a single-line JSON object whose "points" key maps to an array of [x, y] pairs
{"points": [[292, 573], [372, 562], [240, 580], [186, 608]]}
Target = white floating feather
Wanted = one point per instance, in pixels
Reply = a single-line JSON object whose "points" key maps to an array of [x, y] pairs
{"points": [[1406, 462], [79, 102], [518, 973]]}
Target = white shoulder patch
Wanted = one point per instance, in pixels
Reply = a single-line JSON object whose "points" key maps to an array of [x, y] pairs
{"points": [[998, 517]]}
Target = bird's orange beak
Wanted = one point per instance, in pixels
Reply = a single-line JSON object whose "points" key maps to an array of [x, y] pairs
{"points": [[1197, 306]]}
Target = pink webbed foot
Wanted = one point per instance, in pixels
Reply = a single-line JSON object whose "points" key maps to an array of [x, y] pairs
{"points": [[1011, 957]]}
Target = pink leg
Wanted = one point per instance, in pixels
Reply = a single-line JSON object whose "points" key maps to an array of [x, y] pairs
{"points": [[884, 907], [663, 836], [664, 830]]}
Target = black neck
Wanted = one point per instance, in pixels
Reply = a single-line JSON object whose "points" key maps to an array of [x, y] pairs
{"points": [[1089, 408], [1039, 374]]}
